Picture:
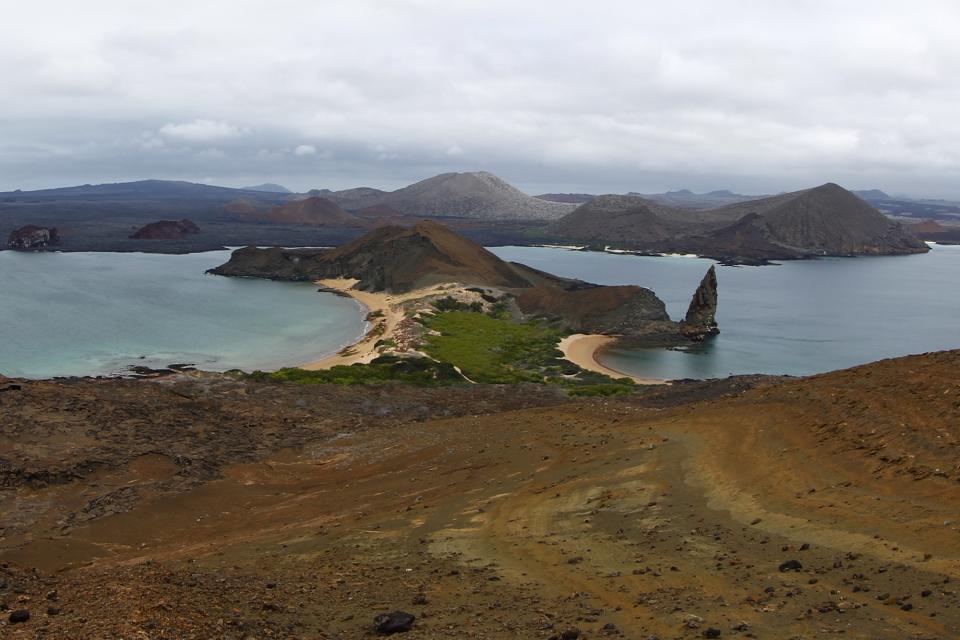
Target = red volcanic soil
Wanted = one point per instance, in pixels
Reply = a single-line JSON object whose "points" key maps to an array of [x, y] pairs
{"points": [[210, 506]]}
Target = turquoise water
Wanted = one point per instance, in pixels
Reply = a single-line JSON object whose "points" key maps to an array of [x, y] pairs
{"points": [[797, 318], [98, 313]]}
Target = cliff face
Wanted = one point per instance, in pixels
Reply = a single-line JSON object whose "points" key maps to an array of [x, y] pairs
{"points": [[33, 238], [166, 230]]}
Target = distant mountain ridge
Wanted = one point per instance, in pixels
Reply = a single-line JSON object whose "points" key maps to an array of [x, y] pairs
{"points": [[140, 189], [268, 187], [478, 195], [826, 220]]}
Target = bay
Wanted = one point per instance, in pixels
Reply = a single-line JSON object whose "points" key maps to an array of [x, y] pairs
{"points": [[99, 313], [797, 318]]}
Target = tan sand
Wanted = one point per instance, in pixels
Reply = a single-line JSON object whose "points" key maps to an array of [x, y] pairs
{"points": [[581, 349], [381, 328]]}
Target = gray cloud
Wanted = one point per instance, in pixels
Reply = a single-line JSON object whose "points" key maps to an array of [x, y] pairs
{"points": [[603, 96]]}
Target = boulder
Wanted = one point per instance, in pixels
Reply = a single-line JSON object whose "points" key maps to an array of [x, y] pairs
{"points": [[396, 622]]}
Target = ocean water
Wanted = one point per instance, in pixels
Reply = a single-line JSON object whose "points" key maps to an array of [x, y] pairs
{"points": [[797, 318], [98, 313]]}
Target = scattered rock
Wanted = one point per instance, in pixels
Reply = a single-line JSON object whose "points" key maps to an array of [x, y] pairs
{"points": [[790, 565], [396, 622], [18, 616]]}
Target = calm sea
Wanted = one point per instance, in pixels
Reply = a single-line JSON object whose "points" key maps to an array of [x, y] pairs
{"points": [[98, 313], [797, 318]]}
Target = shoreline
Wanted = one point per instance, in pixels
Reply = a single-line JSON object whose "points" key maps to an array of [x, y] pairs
{"points": [[383, 319], [363, 349], [582, 350]]}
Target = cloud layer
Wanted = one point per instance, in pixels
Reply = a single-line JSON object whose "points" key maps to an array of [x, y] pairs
{"points": [[603, 96]]}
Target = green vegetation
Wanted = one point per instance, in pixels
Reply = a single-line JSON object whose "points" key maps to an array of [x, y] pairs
{"points": [[492, 350], [488, 349], [452, 304], [496, 350], [421, 372]]}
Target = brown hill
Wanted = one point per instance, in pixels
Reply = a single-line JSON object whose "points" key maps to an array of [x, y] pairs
{"points": [[389, 258], [826, 220], [478, 194], [166, 230], [830, 220], [313, 211]]}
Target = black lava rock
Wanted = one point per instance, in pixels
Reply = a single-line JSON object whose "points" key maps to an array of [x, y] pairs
{"points": [[396, 622], [790, 565], [712, 632], [18, 616]]}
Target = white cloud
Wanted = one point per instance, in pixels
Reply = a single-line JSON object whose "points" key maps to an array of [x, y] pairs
{"points": [[617, 94], [200, 131]]}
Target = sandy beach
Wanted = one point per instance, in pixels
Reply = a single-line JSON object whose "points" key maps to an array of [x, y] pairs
{"points": [[381, 325], [581, 349], [385, 316]]}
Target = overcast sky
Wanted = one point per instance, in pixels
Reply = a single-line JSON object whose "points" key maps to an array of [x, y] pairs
{"points": [[602, 96]]}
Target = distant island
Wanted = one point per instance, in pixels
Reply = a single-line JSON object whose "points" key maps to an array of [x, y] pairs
{"points": [[824, 221], [731, 227]]}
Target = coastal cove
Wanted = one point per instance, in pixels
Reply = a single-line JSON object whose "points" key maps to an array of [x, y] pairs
{"points": [[74, 314], [100, 313], [797, 318]]}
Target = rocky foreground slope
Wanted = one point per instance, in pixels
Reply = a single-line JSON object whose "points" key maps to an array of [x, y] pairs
{"points": [[826, 220], [202, 506]]}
